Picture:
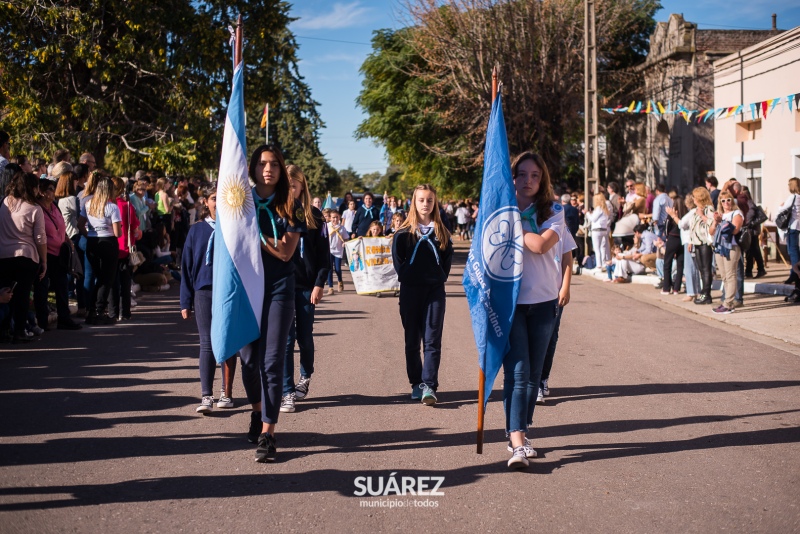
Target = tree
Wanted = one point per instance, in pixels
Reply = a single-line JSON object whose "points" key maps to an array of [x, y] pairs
{"points": [[149, 80], [438, 72], [348, 180]]}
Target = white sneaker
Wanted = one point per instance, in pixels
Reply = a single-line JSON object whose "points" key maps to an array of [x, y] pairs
{"points": [[530, 452], [540, 397], [206, 405], [518, 459], [165, 287], [302, 387], [224, 401], [36, 330], [135, 287], [133, 303], [287, 403], [546, 387]]}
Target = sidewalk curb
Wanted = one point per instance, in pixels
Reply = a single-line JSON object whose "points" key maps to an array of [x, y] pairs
{"points": [[750, 288]]}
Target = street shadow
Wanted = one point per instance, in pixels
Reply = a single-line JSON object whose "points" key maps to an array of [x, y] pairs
{"points": [[341, 482], [569, 394]]}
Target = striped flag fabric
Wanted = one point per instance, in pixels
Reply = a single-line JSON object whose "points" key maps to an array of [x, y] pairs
{"points": [[238, 285]]}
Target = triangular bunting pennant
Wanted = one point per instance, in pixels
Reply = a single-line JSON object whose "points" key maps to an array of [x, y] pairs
{"points": [[630, 108], [773, 103], [753, 112], [661, 108], [764, 108], [789, 100], [709, 115]]}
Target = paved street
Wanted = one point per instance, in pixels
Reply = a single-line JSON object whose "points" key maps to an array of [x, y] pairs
{"points": [[659, 421]]}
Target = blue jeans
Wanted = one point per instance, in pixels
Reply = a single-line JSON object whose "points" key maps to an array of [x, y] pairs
{"points": [[793, 246], [336, 266], [302, 331], [88, 273], [531, 332], [690, 272]]}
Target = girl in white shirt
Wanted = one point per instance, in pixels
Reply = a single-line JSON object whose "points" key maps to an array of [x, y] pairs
{"points": [[601, 220], [348, 216], [728, 212], [537, 304]]}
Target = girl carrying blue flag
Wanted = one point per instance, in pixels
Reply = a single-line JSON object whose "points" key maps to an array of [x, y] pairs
{"points": [[196, 289], [422, 254], [281, 221], [537, 304]]}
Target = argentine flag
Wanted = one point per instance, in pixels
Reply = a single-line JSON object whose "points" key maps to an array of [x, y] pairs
{"points": [[494, 265], [238, 290]]}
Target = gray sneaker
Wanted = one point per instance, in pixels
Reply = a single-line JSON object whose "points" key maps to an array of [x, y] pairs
{"points": [[302, 387], [546, 387], [540, 397], [206, 405], [428, 395], [530, 452], [287, 403]]}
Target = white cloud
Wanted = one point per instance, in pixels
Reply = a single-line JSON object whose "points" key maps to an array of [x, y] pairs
{"points": [[342, 16]]}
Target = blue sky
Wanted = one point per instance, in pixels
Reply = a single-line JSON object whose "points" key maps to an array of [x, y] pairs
{"points": [[334, 39]]}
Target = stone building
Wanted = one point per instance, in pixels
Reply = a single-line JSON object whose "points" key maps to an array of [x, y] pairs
{"points": [[679, 70]]}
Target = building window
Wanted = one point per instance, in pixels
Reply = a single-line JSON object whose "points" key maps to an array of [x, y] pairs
{"points": [[749, 173], [746, 131]]}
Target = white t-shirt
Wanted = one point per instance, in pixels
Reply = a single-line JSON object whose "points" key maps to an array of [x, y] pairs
{"points": [[541, 273], [337, 240], [100, 227], [599, 218], [462, 215], [729, 217], [792, 201], [348, 217]]}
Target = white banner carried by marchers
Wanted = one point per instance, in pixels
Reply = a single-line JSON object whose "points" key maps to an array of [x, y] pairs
{"points": [[371, 265]]}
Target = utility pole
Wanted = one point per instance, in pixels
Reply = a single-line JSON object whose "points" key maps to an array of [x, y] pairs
{"points": [[591, 155]]}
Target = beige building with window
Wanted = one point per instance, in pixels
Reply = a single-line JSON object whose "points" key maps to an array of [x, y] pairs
{"points": [[760, 152]]}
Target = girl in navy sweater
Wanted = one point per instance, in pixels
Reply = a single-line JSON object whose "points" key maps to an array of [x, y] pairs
{"points": [[197, 269], [312, 263], [422, 254]]}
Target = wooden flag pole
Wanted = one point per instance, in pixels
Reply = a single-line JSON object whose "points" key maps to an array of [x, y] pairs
{"points": [[237, 50], [481, 375]]}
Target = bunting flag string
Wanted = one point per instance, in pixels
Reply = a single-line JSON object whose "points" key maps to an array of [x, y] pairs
{"points": [[756, 110]]}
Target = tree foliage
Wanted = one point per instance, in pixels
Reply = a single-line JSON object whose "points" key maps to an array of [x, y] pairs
{"points": [[427, 88], [148, 81]]}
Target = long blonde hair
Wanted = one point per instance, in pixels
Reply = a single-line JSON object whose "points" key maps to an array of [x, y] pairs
{"points": [[295, 173], [91, 183], [600, 200], [103, 194], [412, 221]]}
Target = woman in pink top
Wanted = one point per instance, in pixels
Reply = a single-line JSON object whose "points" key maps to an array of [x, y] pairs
{"points": [[23, 246], [56, 279], [121, 290]]}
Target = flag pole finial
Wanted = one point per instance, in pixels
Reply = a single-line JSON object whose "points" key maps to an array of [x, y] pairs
{"points": [[237, 51], [494, 83]]}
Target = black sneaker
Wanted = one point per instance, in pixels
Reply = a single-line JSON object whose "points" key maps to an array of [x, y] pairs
{"points": [[255, 427], [266, 448]]}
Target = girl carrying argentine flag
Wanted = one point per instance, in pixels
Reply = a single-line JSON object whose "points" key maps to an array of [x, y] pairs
{"points": [[422, 254], [281, 221]]}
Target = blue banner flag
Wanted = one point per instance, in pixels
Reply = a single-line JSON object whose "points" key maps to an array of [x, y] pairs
{"points": [[238, 286], [494, 265], [328, 202]]}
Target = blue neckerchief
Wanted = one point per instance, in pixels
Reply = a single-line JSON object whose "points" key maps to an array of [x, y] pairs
{"points": [[263, 204], [530, 215], [213, 224], [369, 210], [427, 238], [302, 246]]}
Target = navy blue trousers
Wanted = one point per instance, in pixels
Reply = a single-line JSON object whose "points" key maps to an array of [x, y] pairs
{"points": [[422, 314], [302, 331], [263, 359]]}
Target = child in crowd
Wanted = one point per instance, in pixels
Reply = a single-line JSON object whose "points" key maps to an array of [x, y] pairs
{"points": [[422, 253], [375, 229], [196, 290], [365, 216], [336, 237], [397, 222], [348, 215]]}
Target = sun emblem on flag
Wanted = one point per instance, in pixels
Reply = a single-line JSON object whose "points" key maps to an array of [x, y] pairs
{"points": [[234, 198]]}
